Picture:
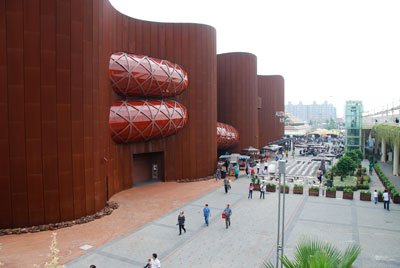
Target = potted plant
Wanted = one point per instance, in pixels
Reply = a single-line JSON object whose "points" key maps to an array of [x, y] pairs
{"points": [[286, 189], [380, 196], [395, 196], [313, 191], [331, 192], [271, 187], [298, 189], [390, 188], [347, 193], [365, 195]]}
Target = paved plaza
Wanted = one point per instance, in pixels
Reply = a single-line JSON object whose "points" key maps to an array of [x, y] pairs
{"points": [[252, 235], [146, 223]]}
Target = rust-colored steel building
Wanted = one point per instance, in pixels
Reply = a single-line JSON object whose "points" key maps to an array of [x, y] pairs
{"points": [[272, 99], [238, 97], [58, 161]]}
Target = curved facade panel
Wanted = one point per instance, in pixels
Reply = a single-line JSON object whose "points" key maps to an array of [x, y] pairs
{"points": [[58, 161], [238, 97], [271, 91], [133, 75], [227, 136], [136, 121]]}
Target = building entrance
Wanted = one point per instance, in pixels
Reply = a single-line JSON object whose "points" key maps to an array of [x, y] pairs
{"points": [[147, 167]]}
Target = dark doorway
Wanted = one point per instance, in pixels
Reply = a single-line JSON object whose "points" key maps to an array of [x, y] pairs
{"points": [[147, 168]]}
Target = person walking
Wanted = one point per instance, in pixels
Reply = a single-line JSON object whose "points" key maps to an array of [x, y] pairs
{"points": [[251, 188], [371, 165], [287, 153], [375, 196], [258, 167], [218, 176], [206, 213], [148, 264], [386, 200], [155, 263], [262, 190], [226, 184], [228, 214], [237, 171], [181, 223]]}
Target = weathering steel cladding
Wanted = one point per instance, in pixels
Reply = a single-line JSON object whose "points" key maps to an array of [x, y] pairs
{"points": [[133, 75], [136, 121], [227, 136]]}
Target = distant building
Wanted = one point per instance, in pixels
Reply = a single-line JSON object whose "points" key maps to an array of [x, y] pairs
{"points": [[314, 111], [295, 126], [353, 121]]}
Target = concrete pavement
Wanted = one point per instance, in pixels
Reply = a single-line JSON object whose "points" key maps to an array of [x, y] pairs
{"points": [[252, 235]]}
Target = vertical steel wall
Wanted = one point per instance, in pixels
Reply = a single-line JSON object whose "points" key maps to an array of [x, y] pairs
{"points": [[56, 151], [237, 96], [57, 159], [271, 90]]}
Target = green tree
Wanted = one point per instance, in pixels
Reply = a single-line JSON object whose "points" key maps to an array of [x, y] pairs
{"points": [[356, 155], [331, 124], [345, 165], [317, 254]]}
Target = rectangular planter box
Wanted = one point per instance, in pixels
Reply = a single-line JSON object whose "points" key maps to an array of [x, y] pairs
{"points": [[365, 197], [286, 190], [347, 195], [313, 192], [396, 199], [331, 194], [298, 190], [380, 198], [271, 188]]}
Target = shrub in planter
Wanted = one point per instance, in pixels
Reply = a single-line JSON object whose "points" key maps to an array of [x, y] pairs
{"points": [[298, 189], [313, 191], [363, 186], [271, 187], [347, 193], [365, 195], [331, 192], [380, 196], [286, 189], [396, 197], [390, 188]]}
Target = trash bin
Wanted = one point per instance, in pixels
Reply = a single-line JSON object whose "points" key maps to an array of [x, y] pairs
{"points": [[223, 174]]}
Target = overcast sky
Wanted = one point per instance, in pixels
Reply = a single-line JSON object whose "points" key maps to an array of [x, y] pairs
{"points": [[326, 50]]}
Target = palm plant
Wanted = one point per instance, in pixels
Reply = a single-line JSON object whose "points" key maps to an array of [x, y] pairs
{"points": [[318, 254]]}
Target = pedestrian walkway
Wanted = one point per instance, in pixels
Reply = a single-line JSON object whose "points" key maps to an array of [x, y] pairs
{"points": [[251, 237], [302, 168], [387, 169], [138, 206]]}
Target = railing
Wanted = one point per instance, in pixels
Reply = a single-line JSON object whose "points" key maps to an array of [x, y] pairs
{"points": [[382, 115]]}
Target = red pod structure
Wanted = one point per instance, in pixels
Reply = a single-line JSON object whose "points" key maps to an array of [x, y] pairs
{"points": [[227, 136], [133, 75], [143, 120]]}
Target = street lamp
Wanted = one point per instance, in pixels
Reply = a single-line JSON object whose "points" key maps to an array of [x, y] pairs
{"points": [[281, 238]]}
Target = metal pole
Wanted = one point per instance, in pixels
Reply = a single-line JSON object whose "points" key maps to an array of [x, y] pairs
{"points": [[283, 215], [279, 224], [282, 166]]}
